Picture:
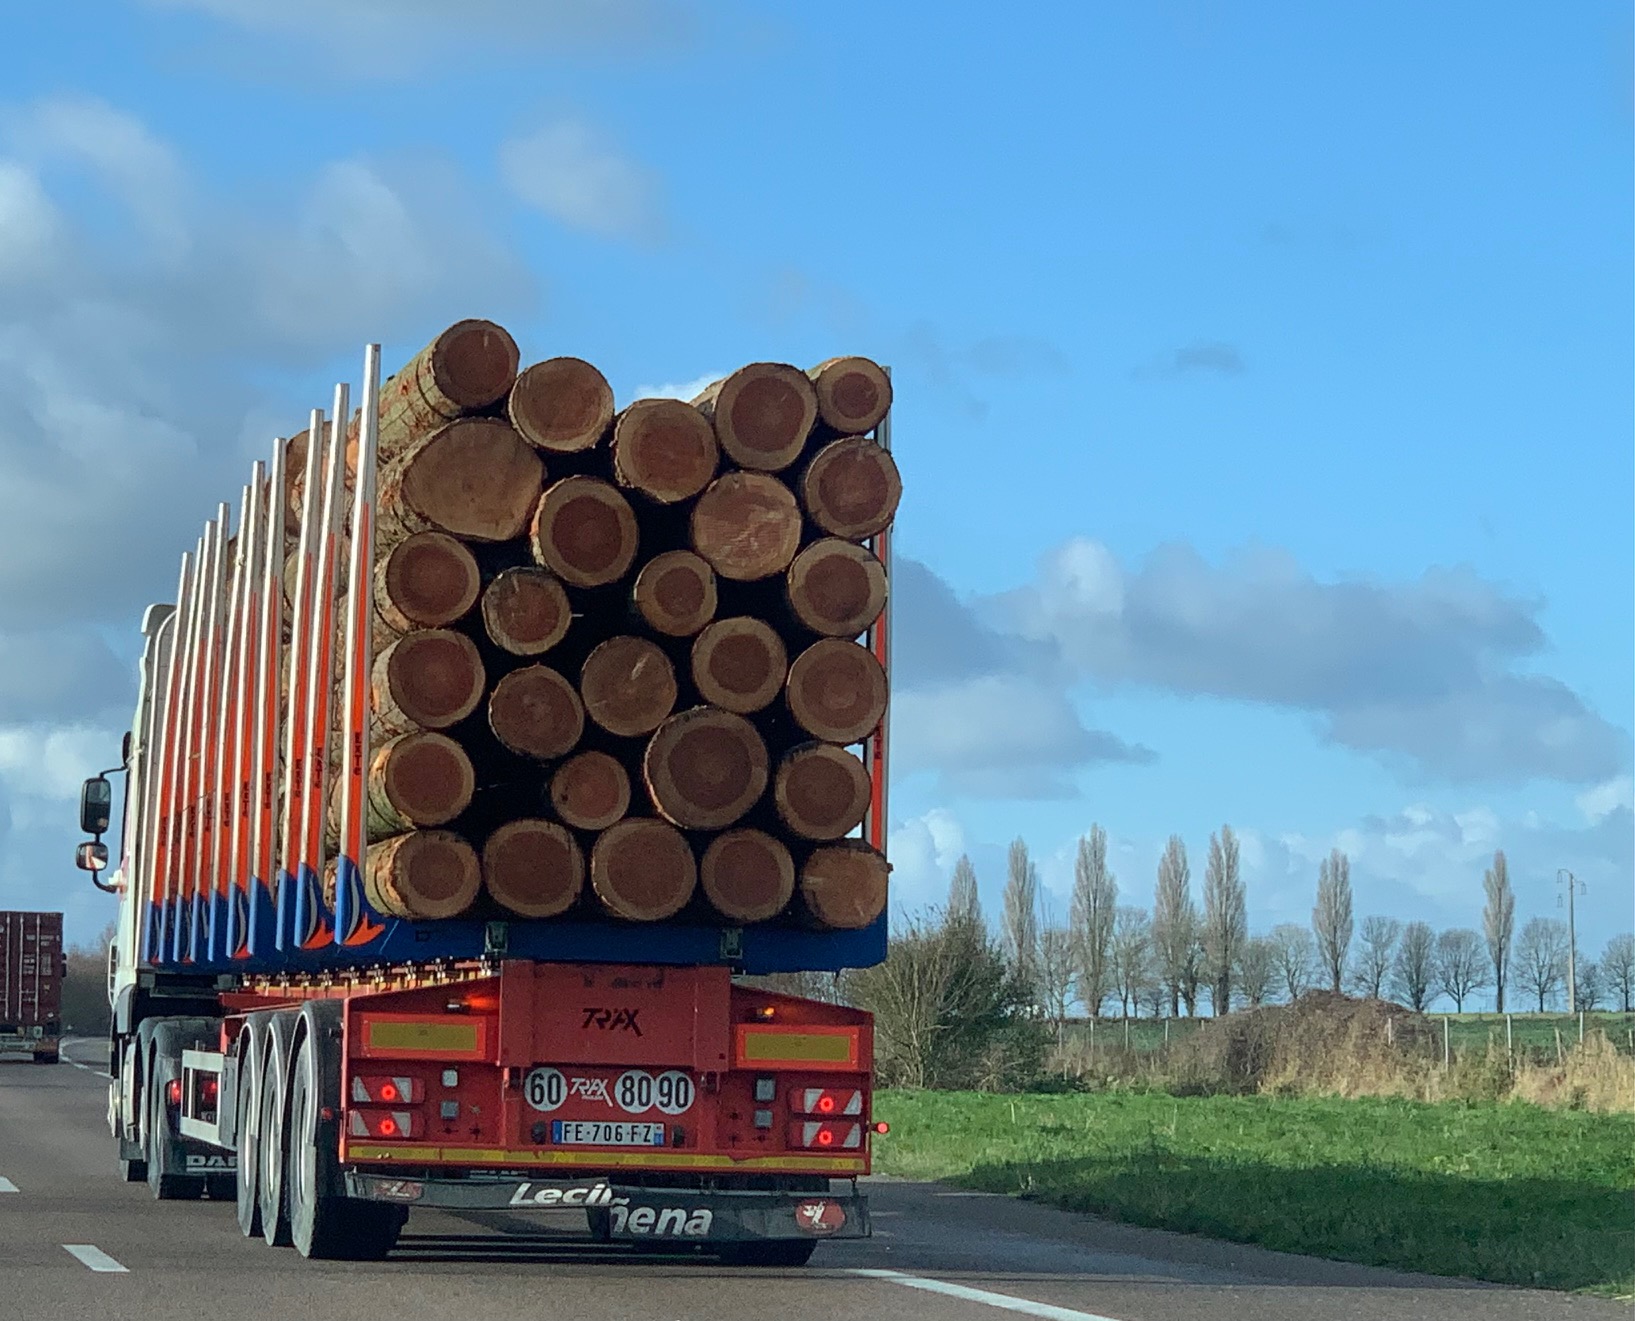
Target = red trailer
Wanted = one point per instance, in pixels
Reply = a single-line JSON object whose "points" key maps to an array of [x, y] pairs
{"points": [[31, 973]]}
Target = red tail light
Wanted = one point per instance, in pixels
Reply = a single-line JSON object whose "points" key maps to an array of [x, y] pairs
{"points": [[826, 1101], [820, 1134], [382, 1124], [173, 1092], [395, 1090], [209, 1090]]}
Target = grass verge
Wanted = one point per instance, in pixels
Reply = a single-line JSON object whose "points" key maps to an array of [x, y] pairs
{"points": [[1509, 1193]]}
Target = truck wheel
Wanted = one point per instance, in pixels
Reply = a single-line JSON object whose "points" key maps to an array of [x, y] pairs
{"points": [[769, 1252], [246, 1183], [46, 1058], [275, 1221], [163, 1182]]}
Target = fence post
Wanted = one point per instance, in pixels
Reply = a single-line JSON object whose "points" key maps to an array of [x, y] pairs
{"points": [[1390, 1031], [1447, 1052], [1509, 1039], [1126, 1031], [1558, 1042], [1166, 1031], [1580, 1027]]}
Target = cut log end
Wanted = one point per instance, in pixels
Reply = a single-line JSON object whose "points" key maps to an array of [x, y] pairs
{"points": [[428, 679], [561, 405], [590, 791], [426, 582], [476, 478], [844, 885], [837, 691], [762, 414], [747, 875], [427, 875], [533, 868], [585, 532], [526, 611], [821, 791], [705, 768], [628, 685], [416, 781], [853, 394], [473, 363], [851, 488], [837, 588], [747, 525], [664, 449], [643, 870], [536, 713], [739, 664], [675, 593]]}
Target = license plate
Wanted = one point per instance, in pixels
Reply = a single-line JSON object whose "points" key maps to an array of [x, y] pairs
{"points": [[595, 1133]]}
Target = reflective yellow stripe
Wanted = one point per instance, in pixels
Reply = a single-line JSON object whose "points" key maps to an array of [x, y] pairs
{"points": [[417, 1035], [674, 1160], [771, 1045]]}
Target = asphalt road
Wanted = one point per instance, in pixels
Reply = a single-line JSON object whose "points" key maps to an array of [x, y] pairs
{"points": [[78, 1244]]}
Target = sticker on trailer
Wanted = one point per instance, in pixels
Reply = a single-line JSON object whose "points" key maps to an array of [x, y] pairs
{"points": [[635, 1091]]}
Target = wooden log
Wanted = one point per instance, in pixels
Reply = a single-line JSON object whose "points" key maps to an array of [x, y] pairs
{"points": [[468, 367], [536, 713], [836, 588], [415, 781], [425, 582], [561, 405], [762, 414], [675, 593], [843, 885], [853, 394], [705, 768], [428, 679], [664, 449], [590, 791], [533, 868], [426, 875], [747, 875], [526, 611], [747, 525], [739, 664], [821, 791], [475, 478], [836, 691], [851, 488], [643, 870], [628, 685], [585, 532]]}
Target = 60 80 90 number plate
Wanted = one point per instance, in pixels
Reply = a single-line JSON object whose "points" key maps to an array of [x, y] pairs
{"points": [[597, 1133]]}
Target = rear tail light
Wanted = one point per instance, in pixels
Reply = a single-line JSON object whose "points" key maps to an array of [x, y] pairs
{"points": [[393, 1090], [382, 1124], [826, 1101], [173, 1092], [209, 1090], [823, 1135]]}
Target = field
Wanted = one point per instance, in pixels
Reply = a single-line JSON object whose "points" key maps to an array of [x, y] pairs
{"points": [[1509, 1193]]}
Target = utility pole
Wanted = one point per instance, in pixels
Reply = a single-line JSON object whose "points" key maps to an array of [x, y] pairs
{"points": [[1563, 876]]}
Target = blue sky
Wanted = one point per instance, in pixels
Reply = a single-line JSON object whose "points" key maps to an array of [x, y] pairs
{"points": [[1263, 375]]}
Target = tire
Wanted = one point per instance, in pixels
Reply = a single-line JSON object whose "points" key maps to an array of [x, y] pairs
{"points": [[246, 1183], [769, 1252], [163, 1182], [270, 1191], [46, 1059]]}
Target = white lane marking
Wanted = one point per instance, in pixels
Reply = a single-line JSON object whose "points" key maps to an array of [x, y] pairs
{"points": [[94, 1257], [1003, 1301], [99, 1073], [6, 1185]]}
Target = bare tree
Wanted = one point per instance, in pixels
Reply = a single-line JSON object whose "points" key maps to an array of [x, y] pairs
{"points": [[1413, 971], [1372, 966], [1021, 918], [964, 904], [1498, 923], [1541, 958], [1331, 916], [1294, 957], [1174, 922], [1132, 956], [1618, 967], [1460, 965], [1095, 897], [1226, 920], [1590, 986], [1056, 974], [1257, 970]]}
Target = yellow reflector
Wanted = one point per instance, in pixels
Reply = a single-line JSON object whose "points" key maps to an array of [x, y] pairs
{"points": [[429, 1035], [777, 1046]]}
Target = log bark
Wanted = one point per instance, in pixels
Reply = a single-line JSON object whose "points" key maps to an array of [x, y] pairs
{"points": [[705, 768], [836, 588], [675, 593], [664, 449], [590, 791], [762, 414], [747, 525], [475, 478], [533, 868], [467, 368], [739, 664], [844, 885], [747, 875], [428, 679], [561, 405], [425, 582], [585, 532], [851, 488], [853, 394], [836, 691], [526, 611], [425, 875], [643, 870], [821, 791], [628, 685], [417, 781], [536, 713]]}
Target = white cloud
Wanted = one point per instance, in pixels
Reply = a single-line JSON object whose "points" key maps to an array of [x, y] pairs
{"points": [[923, 851], [571, 172], [679, 390], [50, 763], [29, 224], [1600, 802]]}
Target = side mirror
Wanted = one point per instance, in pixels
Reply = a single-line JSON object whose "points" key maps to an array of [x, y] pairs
{"points": [[91, 856], [96, 805]]}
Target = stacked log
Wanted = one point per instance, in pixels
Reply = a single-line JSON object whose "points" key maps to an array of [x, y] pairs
{"points": [[621, 663]]}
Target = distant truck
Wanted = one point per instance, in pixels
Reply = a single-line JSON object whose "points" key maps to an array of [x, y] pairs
{"points": [[31, 973]]}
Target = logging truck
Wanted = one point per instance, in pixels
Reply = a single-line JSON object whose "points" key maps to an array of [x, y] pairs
{"points": [[477, 769]]}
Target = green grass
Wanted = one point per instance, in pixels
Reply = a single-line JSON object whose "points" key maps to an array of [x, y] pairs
{"points": [[1509, 1193]]}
